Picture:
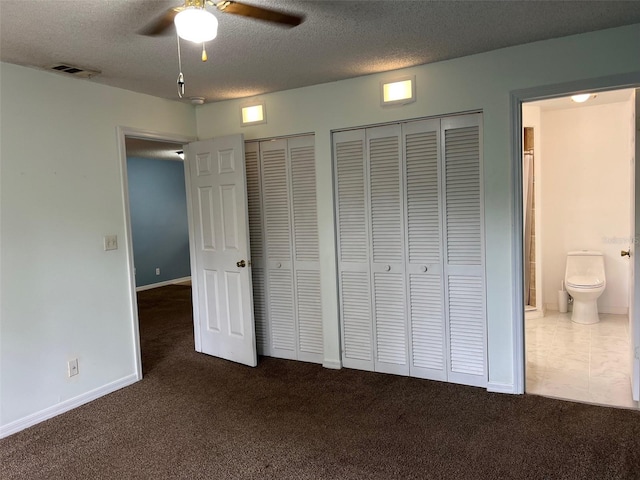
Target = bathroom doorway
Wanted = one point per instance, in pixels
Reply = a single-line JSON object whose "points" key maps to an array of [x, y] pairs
{"points": [[578, 190]]}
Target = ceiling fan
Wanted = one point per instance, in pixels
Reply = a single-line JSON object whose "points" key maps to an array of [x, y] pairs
{"points": [[194, 23], [162, 24]]}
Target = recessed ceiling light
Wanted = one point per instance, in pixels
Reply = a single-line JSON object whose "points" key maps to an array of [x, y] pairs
{"points": [[581, 98]]}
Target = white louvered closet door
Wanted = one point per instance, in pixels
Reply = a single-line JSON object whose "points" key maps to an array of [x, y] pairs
{"points": [[277, 234], [351, 195], [306, 255], [424, 265], [464, 249], [387, 249], [254, 194]]}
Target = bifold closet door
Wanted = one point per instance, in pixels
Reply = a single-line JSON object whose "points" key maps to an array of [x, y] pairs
{"points": [[281, 185], [464, 249], [370, 212], [277, 236], [424, 266], [352, 214], [386, 202], [410, 240], [258, 277], [306, 254]]}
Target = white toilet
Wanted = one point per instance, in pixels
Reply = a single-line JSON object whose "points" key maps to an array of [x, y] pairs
{"points": [[585, 281]]}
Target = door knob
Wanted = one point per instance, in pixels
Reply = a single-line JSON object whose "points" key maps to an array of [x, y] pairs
{"points": [[241, 264], [625, 253]]}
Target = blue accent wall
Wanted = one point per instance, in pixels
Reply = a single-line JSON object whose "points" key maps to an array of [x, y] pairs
{"points": [[158, 207]]}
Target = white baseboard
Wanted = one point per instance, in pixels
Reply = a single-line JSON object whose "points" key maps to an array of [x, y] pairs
{"points": [[163, 284], [333, 364], [50, 412], [612, 310], [497, 387]]}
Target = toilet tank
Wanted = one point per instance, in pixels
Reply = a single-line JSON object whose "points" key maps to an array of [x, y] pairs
{"points": [[585, 262]]}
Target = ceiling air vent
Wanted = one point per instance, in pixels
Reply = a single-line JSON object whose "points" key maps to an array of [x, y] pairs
{"points": [[73, 70]]}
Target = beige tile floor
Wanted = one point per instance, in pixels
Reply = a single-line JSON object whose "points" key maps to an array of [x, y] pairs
{"points": [[585, 363]]}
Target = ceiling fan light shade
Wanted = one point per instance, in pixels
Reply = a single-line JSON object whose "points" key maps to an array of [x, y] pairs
{"points": [[196, 25]]}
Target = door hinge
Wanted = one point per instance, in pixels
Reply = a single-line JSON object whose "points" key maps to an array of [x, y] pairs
{"points": [[637, 353]]}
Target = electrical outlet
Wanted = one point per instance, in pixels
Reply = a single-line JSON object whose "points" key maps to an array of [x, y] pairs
{"points": [[157, 271], [73, 367], [110, 242]]}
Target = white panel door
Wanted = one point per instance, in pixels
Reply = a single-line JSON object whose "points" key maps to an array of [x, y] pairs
{"points": [[277, 234], [634, 297], [463, 225], [424, 266], [353, 249], [223, 307], [306, 261], [386, 204]]}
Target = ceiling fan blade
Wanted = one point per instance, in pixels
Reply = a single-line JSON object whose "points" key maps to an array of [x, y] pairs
{"points": [[161, 24], [259, 13]]}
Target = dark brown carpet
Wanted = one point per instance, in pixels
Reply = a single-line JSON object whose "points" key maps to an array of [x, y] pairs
{"points": [[198, 417]]}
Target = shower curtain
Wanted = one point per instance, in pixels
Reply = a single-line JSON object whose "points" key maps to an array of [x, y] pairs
{"points": [[527, 204]]}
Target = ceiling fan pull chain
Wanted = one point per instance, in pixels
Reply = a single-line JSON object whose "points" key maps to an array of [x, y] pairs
{"points": [[204, 53], [180, 85], [180, 75]]}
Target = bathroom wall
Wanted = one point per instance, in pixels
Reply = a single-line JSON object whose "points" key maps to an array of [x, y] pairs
{"points": [[586, 194]]}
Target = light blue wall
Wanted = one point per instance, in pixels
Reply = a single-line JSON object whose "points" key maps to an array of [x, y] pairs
{"points": [[158, 206]]}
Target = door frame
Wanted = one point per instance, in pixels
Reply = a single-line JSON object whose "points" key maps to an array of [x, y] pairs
{"points": [[517, 98], [122, 133]]}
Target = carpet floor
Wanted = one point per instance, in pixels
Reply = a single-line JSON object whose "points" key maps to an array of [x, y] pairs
{"points": [[199, 417]]}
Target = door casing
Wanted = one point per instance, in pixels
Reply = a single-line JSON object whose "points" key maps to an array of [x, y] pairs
{"points": [[517, 98], [122, 134]]}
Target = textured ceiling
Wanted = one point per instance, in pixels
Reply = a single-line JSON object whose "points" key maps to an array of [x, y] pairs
{"points": [[338, 39]]}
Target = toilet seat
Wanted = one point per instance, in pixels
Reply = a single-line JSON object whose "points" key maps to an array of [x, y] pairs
{"points": [[584, 281]]}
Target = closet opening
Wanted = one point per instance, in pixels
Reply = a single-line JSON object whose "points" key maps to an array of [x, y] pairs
{"points": [[283, 228], [410, 244]]}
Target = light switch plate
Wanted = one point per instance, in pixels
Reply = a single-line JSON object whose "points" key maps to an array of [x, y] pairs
{"points": [[110, 242]]}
